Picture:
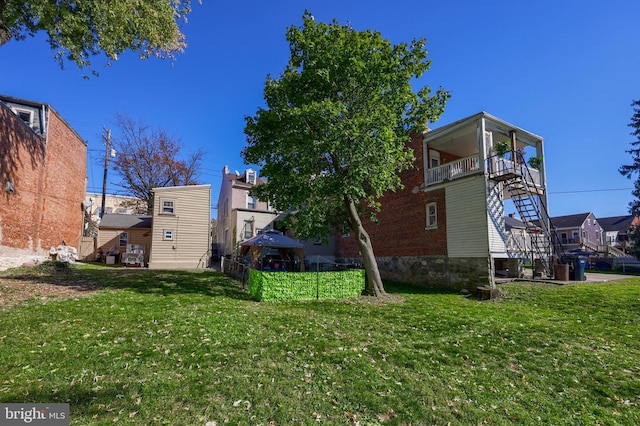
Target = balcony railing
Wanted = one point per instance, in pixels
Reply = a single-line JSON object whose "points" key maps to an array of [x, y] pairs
{"points": [[453, 170], [575, 240], [503, 167]]}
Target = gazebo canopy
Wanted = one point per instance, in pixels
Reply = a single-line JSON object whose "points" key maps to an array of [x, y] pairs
{"points": [[272, 239]]}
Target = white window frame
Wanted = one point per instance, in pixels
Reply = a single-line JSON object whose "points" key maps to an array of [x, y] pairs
{"points": [[432, 218], [123, 236], [247, 229], [251, 176], [19, 111], [251, 198], [165, 209], [434, 159], [167, 235]]}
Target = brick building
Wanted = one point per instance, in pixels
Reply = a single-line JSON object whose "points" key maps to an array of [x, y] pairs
{"points": [[446, 228], [42, 181]]}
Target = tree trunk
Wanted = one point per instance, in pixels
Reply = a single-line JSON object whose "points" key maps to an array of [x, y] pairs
{"points": [[374, 284]]}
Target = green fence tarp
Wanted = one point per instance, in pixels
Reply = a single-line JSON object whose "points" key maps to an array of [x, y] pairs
{"points": [[271, 286]]}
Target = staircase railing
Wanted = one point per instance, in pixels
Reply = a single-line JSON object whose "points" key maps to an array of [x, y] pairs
{"points": [[527, 193]]}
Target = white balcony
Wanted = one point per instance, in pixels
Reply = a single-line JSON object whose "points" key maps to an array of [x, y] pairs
{"points": [[453, 170]]}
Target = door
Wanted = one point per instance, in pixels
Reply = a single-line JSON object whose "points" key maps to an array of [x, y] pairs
{"points": [[434, 158]]}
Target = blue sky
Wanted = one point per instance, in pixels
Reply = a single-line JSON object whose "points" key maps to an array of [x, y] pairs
{"points": [[565, 70]]}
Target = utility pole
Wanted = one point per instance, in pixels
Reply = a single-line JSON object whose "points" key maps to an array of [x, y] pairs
{"points": [[107, 143]]}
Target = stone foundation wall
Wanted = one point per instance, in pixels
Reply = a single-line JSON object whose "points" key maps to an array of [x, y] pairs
{"points": [[435, 271]]}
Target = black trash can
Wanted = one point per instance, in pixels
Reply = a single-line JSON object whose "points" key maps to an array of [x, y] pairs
{"points": [[579, 265]]}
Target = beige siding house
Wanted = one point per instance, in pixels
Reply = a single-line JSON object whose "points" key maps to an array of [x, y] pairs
{"points": [[240, 216], [181, 227], [117, 231]]}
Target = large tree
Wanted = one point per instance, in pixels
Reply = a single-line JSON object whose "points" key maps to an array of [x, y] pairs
{"points": [[633, 169], [333, 136], [150, 158], [78, 30], [629, 170]]}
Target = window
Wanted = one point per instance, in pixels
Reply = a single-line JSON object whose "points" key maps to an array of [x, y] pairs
{"points": [[167, 207], [248, 229], [124, 238], [432, 216], [24, 115], [168, 235], [251, 202], [346, 231]]}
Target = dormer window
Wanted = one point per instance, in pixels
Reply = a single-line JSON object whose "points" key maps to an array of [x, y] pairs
{"points": [[251, 176], [24, 115]]}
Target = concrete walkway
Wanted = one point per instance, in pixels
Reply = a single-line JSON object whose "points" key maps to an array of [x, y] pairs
{"points": [[591, 277]]}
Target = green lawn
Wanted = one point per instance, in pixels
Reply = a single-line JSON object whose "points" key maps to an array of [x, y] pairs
{"points": [[189, 348]]}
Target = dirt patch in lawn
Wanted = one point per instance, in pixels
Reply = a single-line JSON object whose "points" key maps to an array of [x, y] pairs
{"points": [[15, 291]]}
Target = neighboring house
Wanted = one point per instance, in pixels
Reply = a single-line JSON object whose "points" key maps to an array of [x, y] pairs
{"points": [[518, 237], [42, 181], [446, 228], [617, 230], [240, 215], [319, 255], [113, 204], [578, 231], [181, 237], [92, 204], [119, 231]]}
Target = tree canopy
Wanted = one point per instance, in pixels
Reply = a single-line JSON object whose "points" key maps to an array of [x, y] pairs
{"points": [[150, 158], [333, 135], [632, 169], [79, 30]]}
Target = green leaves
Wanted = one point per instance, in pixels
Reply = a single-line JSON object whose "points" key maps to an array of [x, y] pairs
{"points": [[336, 122], [628, 170], [79, 30]]}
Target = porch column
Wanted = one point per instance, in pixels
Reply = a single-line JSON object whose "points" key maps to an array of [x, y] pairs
{"points": [[512, 133]]}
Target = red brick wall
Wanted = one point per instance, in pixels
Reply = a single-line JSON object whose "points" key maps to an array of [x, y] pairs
{"points": [[400, 230], [49, 178]]}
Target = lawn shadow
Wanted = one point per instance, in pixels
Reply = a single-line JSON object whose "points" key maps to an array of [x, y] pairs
{"points": [[399, 288], [84, 277], [170, 282]]}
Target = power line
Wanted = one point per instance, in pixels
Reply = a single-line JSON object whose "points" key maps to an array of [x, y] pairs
{"points": [[590, 190]]}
